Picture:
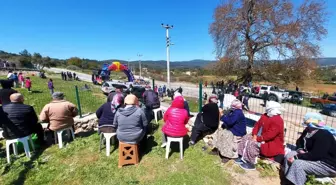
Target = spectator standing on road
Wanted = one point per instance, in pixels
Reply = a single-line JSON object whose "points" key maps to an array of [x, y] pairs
{"points": [[205, 96], [160, 92], [297, 88], [51, 86], [265, 98], [164, 89], [28, 84], [206, 84], [221, 98], [74, 75], [245, 101]]}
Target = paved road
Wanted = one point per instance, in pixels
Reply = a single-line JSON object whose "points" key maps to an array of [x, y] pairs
{"points": [[292, 116]]}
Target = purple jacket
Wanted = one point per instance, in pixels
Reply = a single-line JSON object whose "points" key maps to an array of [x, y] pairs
{"points": [[50, 85]]}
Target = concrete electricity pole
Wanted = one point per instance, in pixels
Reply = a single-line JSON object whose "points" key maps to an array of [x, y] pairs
{"points": [[167, 27], [140, 75]]}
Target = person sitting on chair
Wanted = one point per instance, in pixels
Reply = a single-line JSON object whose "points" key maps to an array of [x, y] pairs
{"points": [[131, 122], [175, 119], [20, 120], [106, 114], [59, 113]]}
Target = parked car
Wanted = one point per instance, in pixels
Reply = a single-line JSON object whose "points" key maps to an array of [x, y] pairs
{"points": [[329, 110], [110, 86], [274, 93], [295, 96], [320, 102]]}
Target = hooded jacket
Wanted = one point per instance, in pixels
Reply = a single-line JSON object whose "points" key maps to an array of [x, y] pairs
{"points": [[175, 119], [131, 124]]}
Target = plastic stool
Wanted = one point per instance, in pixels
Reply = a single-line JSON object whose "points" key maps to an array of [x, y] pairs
{"points": [[24, 141], [59, 136], [174, 139], [107, 137], [156, 111], [128, 154]]}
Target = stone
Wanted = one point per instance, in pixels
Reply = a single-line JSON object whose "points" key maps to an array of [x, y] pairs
{"points": [[88, 123]]}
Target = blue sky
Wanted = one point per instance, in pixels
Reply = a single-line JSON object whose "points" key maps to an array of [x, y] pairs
{"points": [[120, 29]]}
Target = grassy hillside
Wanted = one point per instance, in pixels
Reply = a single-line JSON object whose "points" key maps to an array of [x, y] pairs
{"points": [[90, 100]]}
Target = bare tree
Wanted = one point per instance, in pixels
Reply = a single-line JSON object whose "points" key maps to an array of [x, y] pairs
{"points": [[249, 33]]}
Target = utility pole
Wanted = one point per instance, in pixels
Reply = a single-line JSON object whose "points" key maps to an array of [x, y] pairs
{"points": [[167, 27], [140, 75]]}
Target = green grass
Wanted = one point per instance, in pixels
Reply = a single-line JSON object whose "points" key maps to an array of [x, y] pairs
{"points": [[192, 102], [81, 163], [90, 100]]}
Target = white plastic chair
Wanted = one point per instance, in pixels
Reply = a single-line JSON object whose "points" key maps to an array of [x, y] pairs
{"points": [[24, 141], [59, 135], [174, 139], [107, 137], [156, 111]]}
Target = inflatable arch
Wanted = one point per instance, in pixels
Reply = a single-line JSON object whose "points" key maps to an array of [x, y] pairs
{"points": [[117, 66]]}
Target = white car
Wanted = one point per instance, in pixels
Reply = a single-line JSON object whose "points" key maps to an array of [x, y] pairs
{"points": [[274, 93], [110, 86]]}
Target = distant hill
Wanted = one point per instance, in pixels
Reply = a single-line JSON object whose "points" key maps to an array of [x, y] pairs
{"points": [[197, 63], [327, 61], [162, 64]]}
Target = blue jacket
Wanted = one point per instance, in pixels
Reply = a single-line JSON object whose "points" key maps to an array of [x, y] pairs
{"points": [[105, 115], [235, 122]]}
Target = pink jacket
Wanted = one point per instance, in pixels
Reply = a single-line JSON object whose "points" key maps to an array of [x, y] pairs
{"points": [[28, 83], [21, 78], [175, 119]]}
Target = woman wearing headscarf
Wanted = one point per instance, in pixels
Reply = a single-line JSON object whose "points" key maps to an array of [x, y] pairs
{"points": [[207, 121], [130, 122], [315, 154], [233, 129], [106, 114], [267, 138]]}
